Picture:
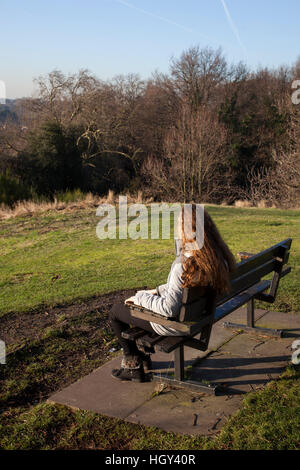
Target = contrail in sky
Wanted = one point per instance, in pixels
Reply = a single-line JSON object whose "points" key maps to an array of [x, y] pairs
{"points": [[233, 27], [161, 18]]}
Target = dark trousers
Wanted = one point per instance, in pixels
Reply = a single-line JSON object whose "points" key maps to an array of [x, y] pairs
{"points": [[121, 320]]}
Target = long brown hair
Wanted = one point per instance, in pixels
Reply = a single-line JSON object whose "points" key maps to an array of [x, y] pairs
{"points": [[210, 265]]}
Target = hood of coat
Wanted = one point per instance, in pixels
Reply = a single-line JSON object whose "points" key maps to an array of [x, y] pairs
{"points": [[178, 249]]}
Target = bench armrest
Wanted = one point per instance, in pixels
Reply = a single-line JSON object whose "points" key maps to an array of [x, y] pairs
{"points": [[186, 328], [244, 255]]}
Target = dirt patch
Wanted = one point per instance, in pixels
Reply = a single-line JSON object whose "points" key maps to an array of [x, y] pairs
{"points": [[17, 327], [20, 277], [50, 348]]}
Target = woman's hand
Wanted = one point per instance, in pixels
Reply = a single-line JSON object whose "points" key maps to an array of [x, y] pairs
{"points": [[130, 300], [151, 291]]}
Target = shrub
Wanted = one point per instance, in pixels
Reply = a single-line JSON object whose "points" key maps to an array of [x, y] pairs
{"points": [[12, 190]]}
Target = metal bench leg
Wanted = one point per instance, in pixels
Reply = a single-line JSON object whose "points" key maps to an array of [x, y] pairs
{"points": [[250, 327], [179, 363], [179, 380], [250, 313]]}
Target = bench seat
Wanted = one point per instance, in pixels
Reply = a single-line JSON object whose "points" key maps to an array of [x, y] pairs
{"points": [[201, 308], [192, 328]]}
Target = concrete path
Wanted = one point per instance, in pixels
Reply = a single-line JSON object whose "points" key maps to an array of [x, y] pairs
{"points": [[240, 361]]}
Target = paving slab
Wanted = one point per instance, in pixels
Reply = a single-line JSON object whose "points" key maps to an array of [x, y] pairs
{"points": [[288, 322], [240, 361], [241, 374], [252, 346], [101, 393], [185, 412]]}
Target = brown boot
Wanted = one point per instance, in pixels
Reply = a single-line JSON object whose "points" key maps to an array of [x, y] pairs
{"points": [[131, 369], [146, 359], [145, 355]]}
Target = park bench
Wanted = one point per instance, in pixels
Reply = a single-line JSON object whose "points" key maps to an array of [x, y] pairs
{"points": [[201, 308]]}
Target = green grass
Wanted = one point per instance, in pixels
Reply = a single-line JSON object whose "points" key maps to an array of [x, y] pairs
{"points": [[267, 420], [58, 355], [57, 258]]}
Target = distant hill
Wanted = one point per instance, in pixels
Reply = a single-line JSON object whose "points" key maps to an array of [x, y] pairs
{"points": [[8, 110]]}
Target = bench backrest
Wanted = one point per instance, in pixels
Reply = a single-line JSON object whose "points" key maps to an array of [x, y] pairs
{"points": [[199, 302]]}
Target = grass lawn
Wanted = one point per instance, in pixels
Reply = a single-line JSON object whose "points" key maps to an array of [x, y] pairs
{"points": [[53, 260], [57, 258]]}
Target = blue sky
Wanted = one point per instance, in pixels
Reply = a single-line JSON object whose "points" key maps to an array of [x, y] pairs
{"points": [[111, 37]]}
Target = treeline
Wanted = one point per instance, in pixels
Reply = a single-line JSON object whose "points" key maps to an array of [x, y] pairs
{"points": [[207, 131]]}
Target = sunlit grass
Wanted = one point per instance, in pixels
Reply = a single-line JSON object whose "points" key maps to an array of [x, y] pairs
{"points": [[57, 258], [54, 258]]}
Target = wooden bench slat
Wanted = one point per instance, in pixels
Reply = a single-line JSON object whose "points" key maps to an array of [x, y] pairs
{"points": [[196, 310], [261, 258], [192, 328], [133, 333], [149, 341], [195, 298], [245, 255], [201, 309], [270, 297], [240, 299], [247, 280], [286, 271], [170, 343], [192, 294], [144, 314]]}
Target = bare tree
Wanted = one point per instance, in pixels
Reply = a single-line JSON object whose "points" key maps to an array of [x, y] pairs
{"points": [[194, 149], [62, 97], [286, 172], [278, 183], [199, 73]]}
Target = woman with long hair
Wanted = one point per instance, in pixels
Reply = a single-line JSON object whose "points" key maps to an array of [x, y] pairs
{"points": [[195, 265]]}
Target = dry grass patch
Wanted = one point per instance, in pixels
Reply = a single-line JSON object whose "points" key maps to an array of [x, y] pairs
{"points": [[87, 201]]}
